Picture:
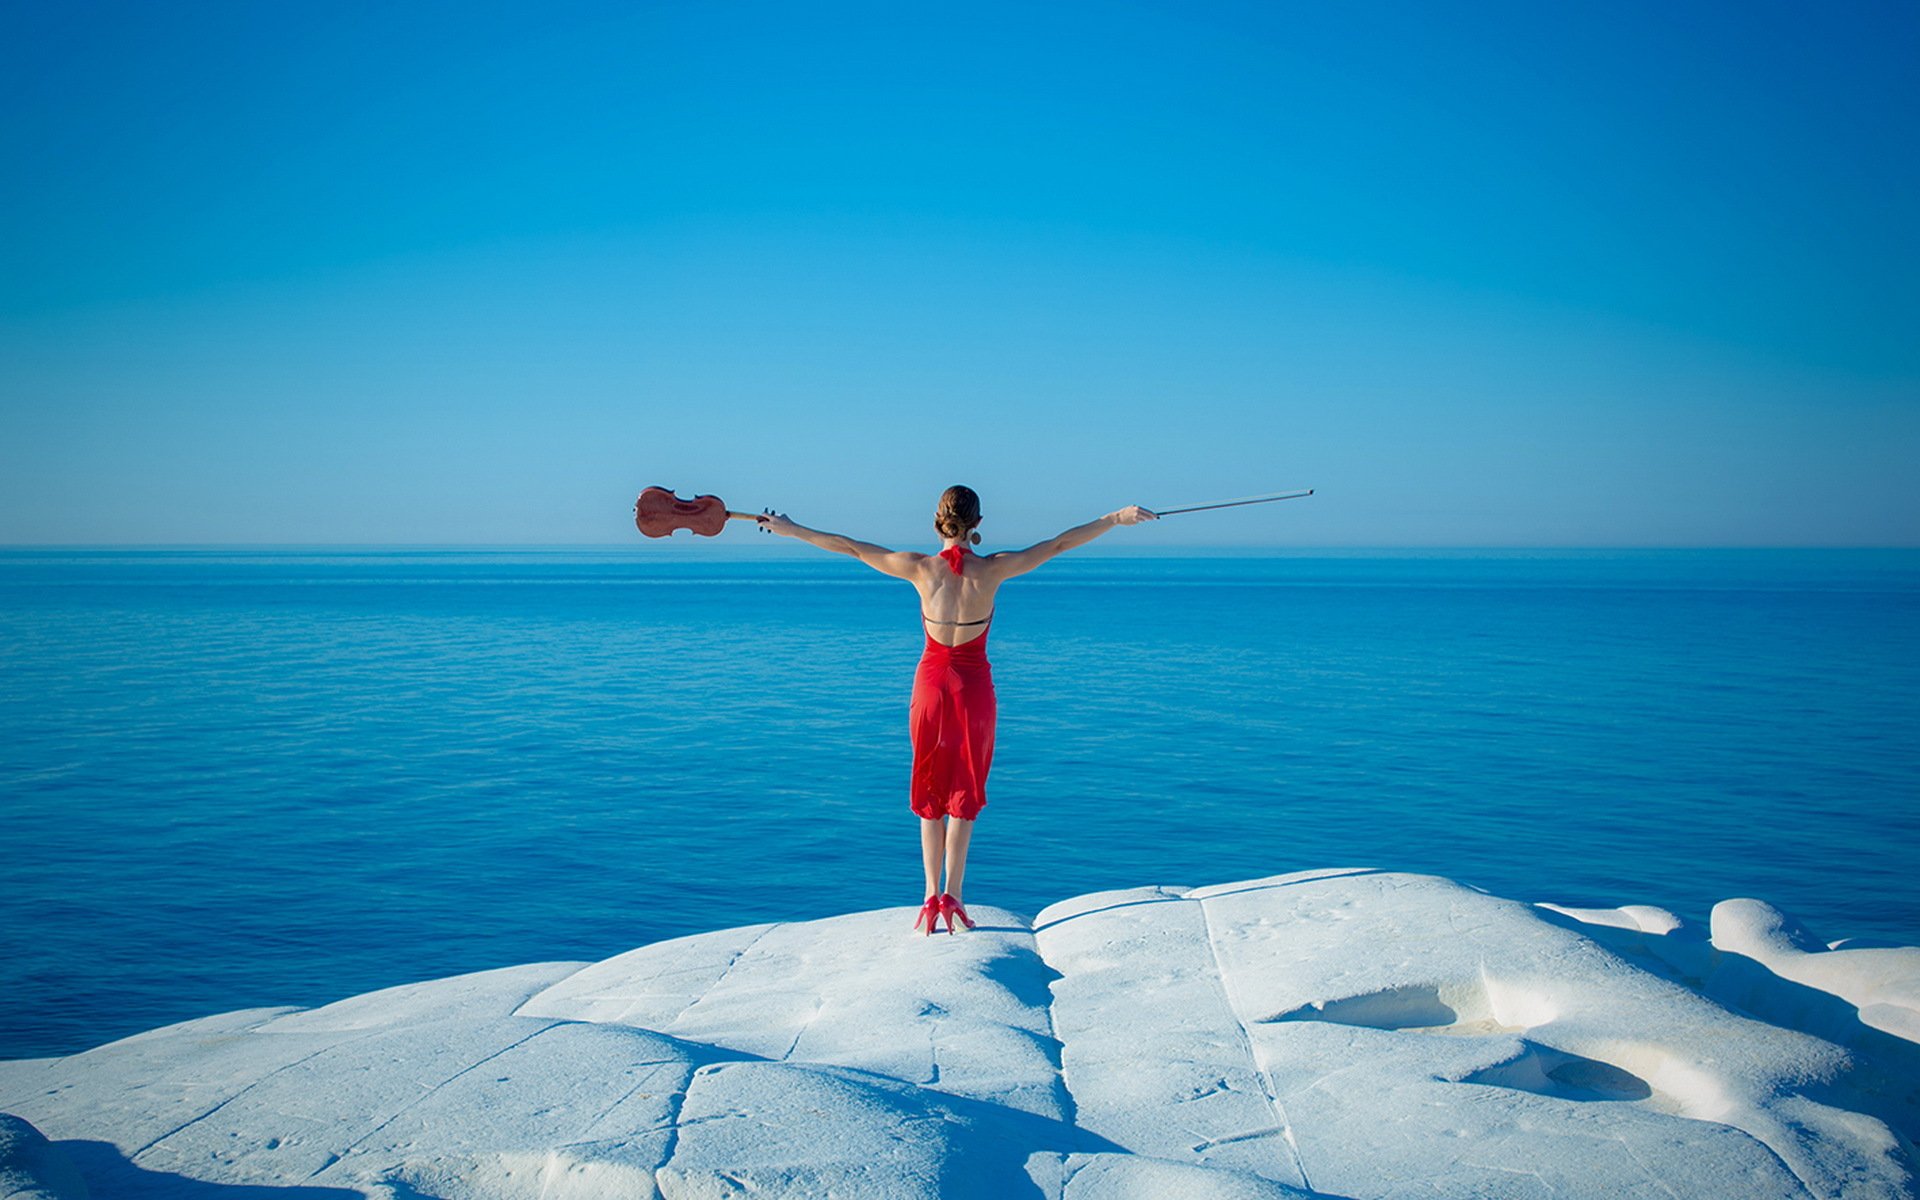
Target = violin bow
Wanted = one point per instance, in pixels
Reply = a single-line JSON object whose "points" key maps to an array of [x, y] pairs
{"points": [[1268, 499]]}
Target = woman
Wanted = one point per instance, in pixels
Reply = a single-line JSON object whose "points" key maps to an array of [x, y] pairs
{"points": [[952, 714]]}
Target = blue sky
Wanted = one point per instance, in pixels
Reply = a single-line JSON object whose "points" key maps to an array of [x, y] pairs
{"points": [[1485, 275]]}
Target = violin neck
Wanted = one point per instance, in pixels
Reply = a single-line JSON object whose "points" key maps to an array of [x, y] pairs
{"points": [[734, 516]]}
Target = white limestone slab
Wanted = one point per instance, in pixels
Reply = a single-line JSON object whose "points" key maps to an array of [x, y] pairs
{"points": [[1349, 1033], [32, 1168], [966, 1015], [1155, 1058]]}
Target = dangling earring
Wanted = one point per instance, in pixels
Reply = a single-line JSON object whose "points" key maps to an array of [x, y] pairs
{"points": [[974, 538]]}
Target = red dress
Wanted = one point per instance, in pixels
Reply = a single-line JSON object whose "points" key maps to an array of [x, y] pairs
{"points": [[951, 719]]}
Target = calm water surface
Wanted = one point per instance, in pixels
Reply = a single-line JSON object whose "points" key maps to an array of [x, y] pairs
{"points": [[245, 778]]}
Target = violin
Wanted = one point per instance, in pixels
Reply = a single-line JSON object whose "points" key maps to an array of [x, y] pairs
{"points": [[658, 512]]}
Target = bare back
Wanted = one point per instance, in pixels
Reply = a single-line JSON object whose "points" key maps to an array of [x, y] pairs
{"points": [[955, 608]]}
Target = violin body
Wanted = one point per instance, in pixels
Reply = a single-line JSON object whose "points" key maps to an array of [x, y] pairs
{"points": [[659, 512]]}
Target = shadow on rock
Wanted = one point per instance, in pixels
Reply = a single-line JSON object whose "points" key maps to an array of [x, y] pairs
{"points": [[1885, 1079], [108, 1172]]}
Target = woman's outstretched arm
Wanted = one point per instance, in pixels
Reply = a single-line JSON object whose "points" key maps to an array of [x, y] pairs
{"points": [[900, 563], [1019, 562]]}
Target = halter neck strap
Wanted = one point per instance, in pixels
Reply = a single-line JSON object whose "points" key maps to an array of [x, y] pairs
{"points": [[953, 555]]}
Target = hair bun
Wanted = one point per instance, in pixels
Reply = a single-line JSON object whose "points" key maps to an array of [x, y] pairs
{"points": [[957, 513]]}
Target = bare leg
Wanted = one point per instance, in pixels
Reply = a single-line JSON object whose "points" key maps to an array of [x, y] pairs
{"points": [[933, 842], [959, 834]]}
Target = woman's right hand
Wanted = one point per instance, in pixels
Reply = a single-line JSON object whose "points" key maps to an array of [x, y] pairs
{"points": [[1133, 514], [773, 522]]}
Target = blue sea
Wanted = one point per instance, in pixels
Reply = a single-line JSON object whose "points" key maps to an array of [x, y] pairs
{"points": [[264, 777]]}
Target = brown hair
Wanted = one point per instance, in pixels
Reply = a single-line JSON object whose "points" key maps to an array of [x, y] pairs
{"points": [[958, 513]]}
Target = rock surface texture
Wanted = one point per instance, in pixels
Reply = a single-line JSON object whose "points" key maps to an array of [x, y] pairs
{"points": [[32, 1168], [1348, 1033]]}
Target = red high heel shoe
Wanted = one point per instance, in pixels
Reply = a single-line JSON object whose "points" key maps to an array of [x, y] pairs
{"points": [[930, 915], [950, 908]]}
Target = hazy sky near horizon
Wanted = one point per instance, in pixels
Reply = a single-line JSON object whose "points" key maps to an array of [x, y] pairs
{"points": [[1486, 275]]}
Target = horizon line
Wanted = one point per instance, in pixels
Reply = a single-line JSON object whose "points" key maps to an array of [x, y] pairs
{"points": [[777, 550]]}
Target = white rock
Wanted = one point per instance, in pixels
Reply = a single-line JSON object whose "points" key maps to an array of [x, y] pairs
{"points": [[32, 1168], [1351, 1033], [1883, 983]]}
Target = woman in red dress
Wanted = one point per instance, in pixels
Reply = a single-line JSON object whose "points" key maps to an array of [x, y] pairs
{"points": [[952, 714]]}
